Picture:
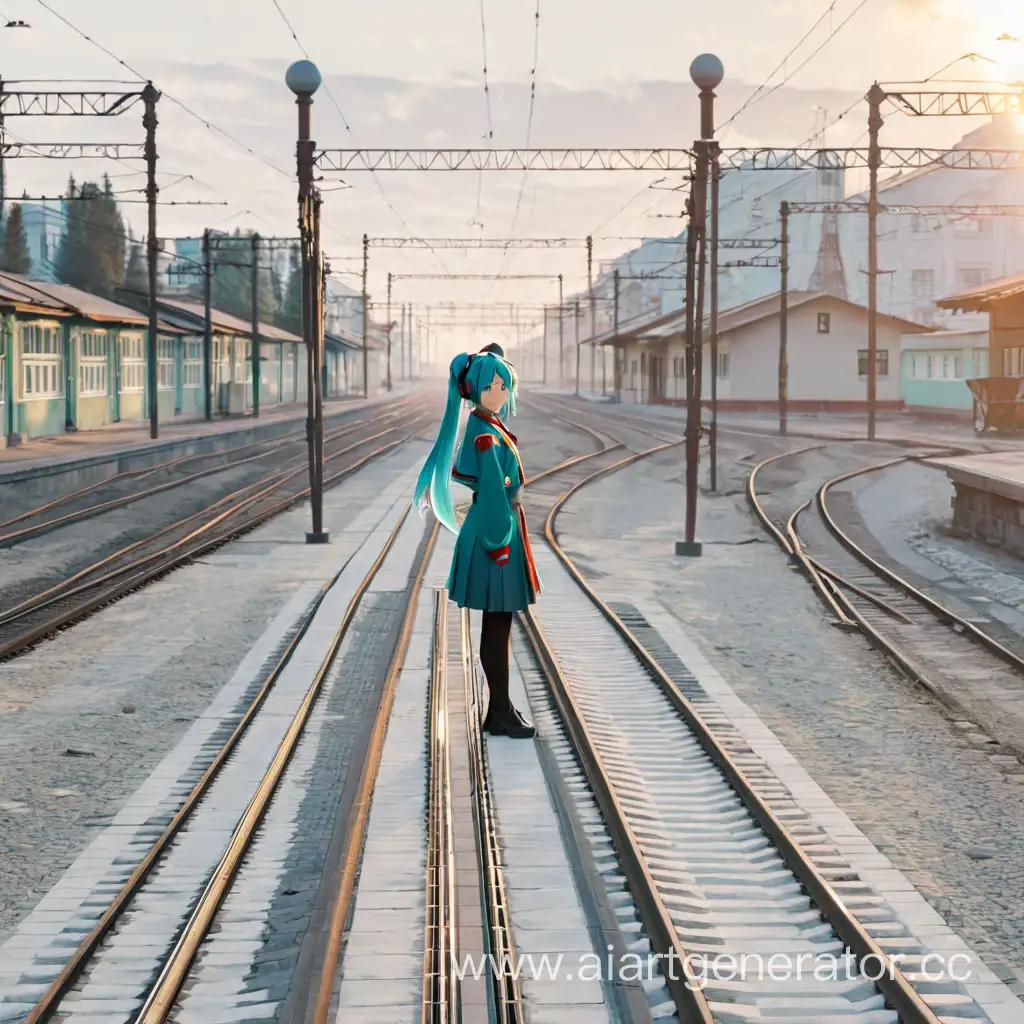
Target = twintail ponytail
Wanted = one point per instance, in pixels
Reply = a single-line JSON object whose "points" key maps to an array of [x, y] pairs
{"points": [[433, 486]]}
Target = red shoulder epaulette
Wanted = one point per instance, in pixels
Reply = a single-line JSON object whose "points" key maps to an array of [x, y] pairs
{"points": [[484, 441]]}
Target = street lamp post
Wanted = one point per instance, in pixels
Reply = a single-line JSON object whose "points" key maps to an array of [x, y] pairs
{"points": [[707, 73], [304, 79]]}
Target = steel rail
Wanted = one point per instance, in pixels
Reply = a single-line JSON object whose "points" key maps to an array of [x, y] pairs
{"points": [[27, 533], [364, 798], [278, 442], [160, 1001], [506, 989], [441, 992], [50, 1002], [893, 984], [61, 590], [690, 1001], [947, 615], [834, 598], [172, 561]]}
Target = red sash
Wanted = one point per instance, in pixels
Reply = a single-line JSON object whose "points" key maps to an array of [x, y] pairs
{"points": [[531, 568]]}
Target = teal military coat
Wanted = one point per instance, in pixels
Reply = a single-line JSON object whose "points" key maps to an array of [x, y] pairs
{"points": [[492, 568]]}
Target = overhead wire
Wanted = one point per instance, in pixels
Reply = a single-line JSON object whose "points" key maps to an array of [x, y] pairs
{"points": [[143, 78], [779, 67], [475, 219]]}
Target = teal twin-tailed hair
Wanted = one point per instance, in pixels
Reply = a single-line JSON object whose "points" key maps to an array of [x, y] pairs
{"points": [[433, 488]]}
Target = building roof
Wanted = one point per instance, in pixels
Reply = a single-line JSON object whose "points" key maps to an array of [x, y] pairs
{"points": [[732, 319], [637, 327], [982, 298], [945, 340], [62, 300], [226, 322]]}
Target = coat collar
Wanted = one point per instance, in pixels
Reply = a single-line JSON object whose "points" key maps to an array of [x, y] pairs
{"points": [[495, 422]]}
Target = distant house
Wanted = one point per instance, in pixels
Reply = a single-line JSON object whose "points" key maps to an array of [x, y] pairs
{"points": [[936, 366], [1003, 301], [827, 356], [69, 360]]}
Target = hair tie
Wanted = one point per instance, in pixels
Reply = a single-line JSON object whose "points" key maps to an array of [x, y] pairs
{"points": [[461, 382]]}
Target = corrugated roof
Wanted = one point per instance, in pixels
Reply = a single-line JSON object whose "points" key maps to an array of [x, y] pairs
{"points": [[62, 298], [226, 321], [980, 299]]}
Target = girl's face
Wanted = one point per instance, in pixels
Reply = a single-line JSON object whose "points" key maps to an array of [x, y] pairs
{"points": [[494, 395]]}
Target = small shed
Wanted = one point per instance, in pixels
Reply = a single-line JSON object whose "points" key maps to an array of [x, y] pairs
{"points": [[1003, 301], [826, 355]]}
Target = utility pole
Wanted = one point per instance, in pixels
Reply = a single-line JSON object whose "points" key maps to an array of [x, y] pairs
{"points": [[561, 334], [303, 78], [255, 353], [366, 318], [713, 436], [149, 99], [616, 362], [707, 73], [593, 313], [576, 317], [391, 280], [876, 96], [784, 319], [544, 351], [401, 347], [208, 323]]}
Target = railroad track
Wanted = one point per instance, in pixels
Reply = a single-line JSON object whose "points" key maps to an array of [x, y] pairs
{"points": [[42, 614], [716, 856], [701, 849], [948, 653], [86, 503], [180, 883]]}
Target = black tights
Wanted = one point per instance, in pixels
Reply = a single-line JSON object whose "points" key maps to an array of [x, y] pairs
{"points": [[495, 634]]}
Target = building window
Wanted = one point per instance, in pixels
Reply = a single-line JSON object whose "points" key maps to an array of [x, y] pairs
{"points": [[94, 351], [972, 225], [979, 362], [133, 363], [165, 365], [1013, 362], [42, 374], [192, 367], [971, 277], [881, 362], [922, 284], [958, 367], [243, 365], [918, 224], [824, 323], [723, 365]]}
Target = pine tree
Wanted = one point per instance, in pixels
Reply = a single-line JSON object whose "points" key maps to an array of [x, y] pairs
{"points": [[136, 276], [92, 251], [14, 257], [290, 316]]}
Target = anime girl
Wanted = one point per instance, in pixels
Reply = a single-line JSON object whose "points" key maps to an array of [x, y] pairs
{"points": [[492, 568]]}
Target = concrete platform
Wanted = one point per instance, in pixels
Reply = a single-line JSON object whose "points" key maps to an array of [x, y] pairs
{"points": [[989, 499], [59, 462]]}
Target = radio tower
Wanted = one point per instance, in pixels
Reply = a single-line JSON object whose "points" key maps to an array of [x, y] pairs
{"points": [[829, 275]]}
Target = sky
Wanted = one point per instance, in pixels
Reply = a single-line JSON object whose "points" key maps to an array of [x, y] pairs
{"points": [[403, 73]]}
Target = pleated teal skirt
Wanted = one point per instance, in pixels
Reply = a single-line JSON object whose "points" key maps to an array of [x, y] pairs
{"points": [[476, 581]]}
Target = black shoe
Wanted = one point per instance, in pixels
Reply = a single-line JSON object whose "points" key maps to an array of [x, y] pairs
{"points": [[510, 723], [488, 719]]}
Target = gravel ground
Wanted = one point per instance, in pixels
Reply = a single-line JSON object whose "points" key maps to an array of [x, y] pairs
{"points": [[886, 752], [87, 716], [37, 563]]}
